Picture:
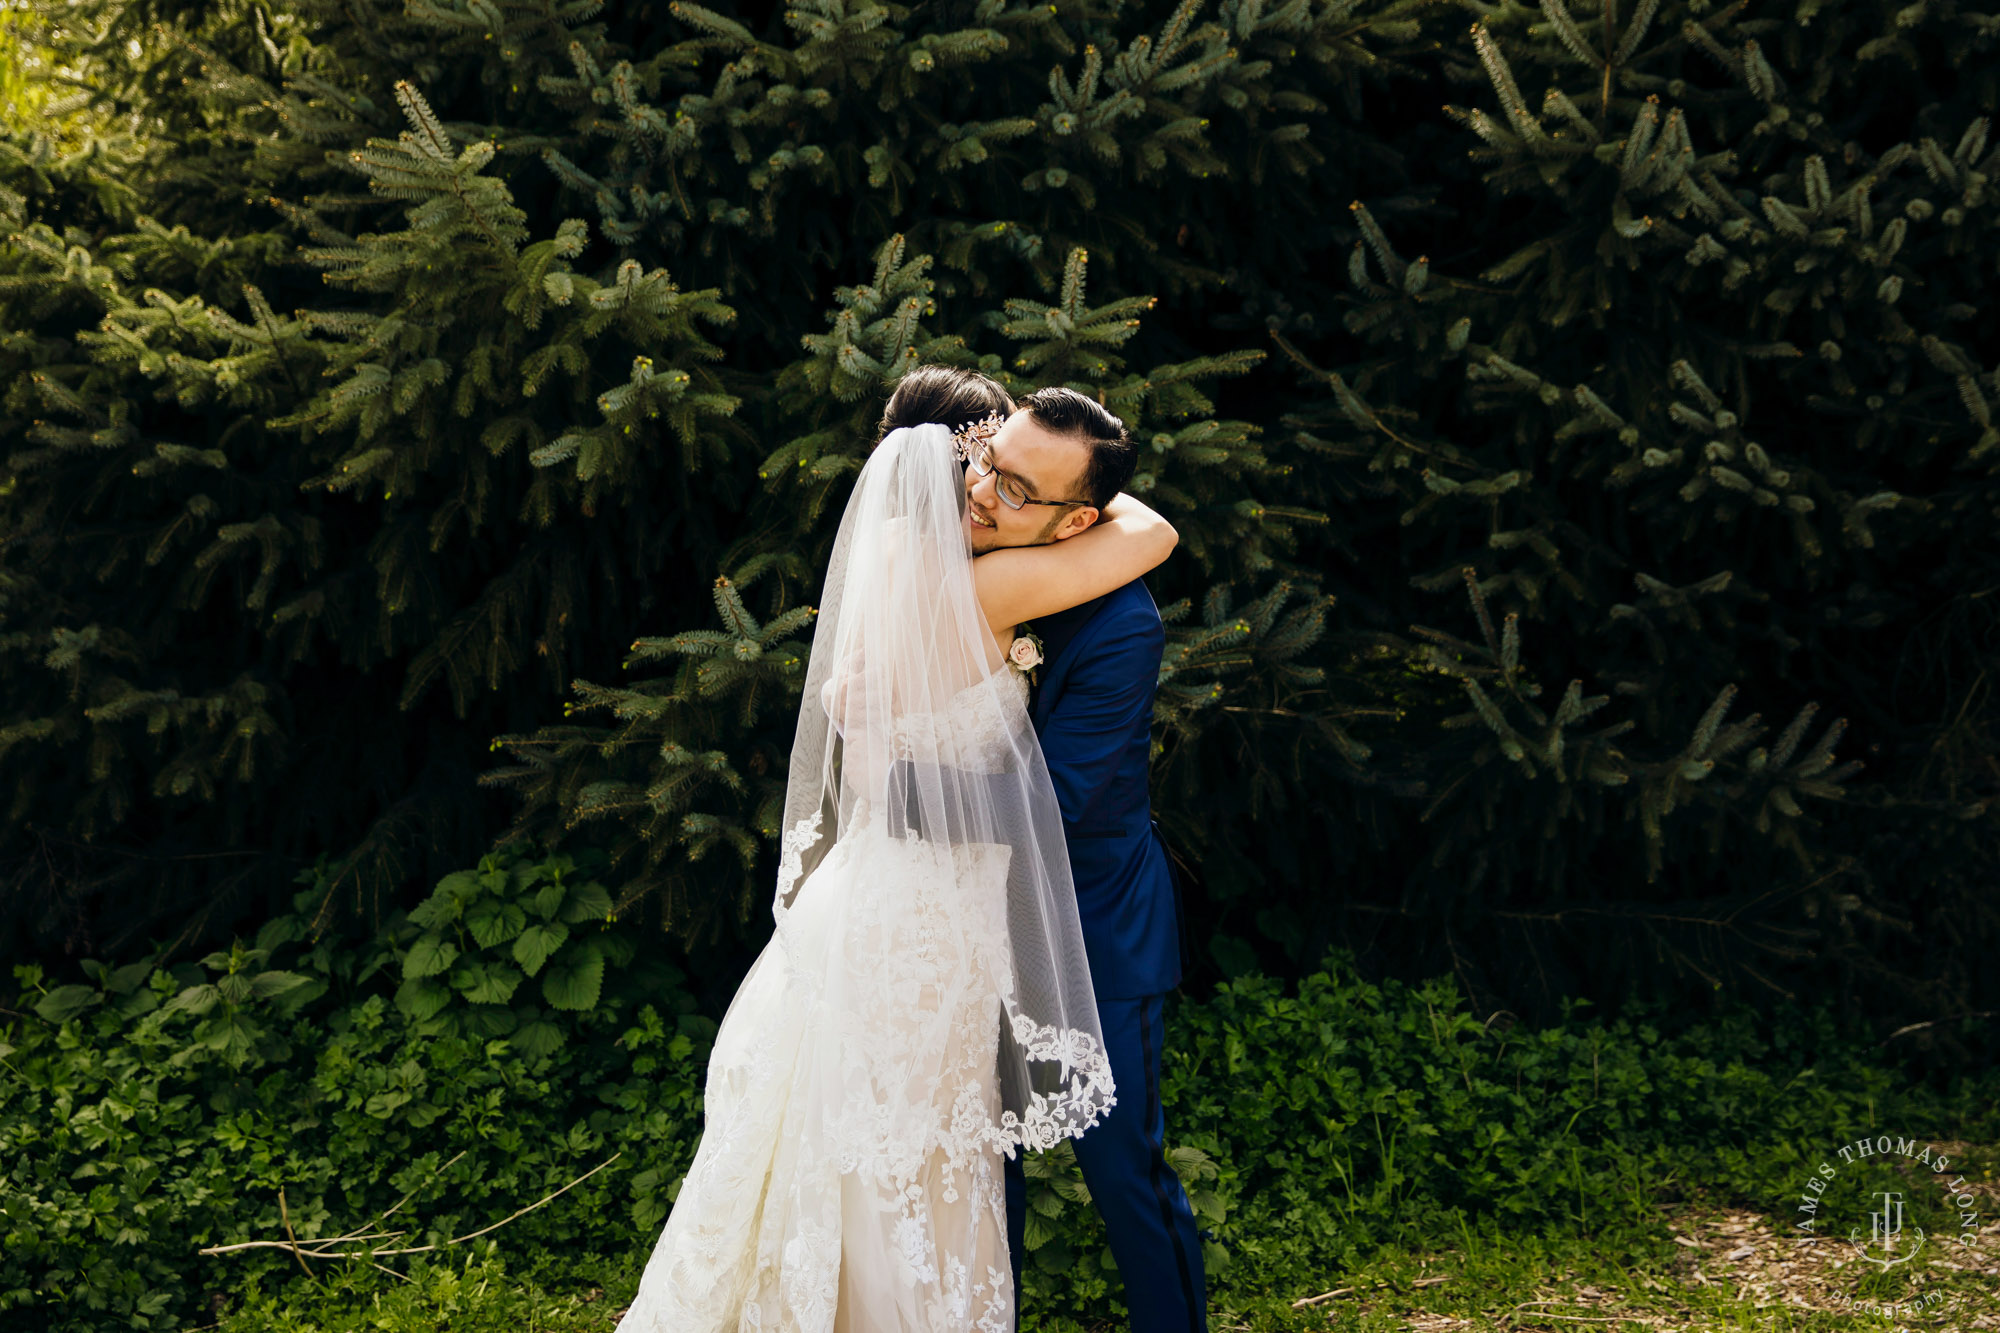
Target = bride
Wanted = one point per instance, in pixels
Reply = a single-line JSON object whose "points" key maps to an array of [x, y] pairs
{"points": [[924, 1006]]}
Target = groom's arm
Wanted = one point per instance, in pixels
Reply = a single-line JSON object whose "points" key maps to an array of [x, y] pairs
{"points": [[1108, 694]]}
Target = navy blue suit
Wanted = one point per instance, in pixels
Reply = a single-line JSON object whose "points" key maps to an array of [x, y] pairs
{"points": [[1093, 708]]}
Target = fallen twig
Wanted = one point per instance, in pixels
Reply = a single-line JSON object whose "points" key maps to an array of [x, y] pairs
{"points": [[1311, 1301], [1933, 1022], [285, 1216], [317, 1248]]}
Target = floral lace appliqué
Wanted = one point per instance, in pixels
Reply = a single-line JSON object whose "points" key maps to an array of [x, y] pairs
{"points": [[791, 854]]}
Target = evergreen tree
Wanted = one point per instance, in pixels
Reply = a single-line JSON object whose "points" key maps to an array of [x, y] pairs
{"points": [[693, 762], [364, 410], [376, 376], [1701, 413]]}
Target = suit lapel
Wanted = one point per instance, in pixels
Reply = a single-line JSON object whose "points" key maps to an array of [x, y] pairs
{"points": [[1057, 632]]}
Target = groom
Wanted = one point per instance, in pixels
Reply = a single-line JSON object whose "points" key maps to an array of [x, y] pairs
{"points": [[1093, 709]]}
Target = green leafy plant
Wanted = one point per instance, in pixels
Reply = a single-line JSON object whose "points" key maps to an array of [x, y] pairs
{"points": [[1310, 1122], [166, 1109], [484, 932]]}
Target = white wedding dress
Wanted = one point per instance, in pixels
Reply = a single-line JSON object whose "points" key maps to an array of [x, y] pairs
{"points": [[924, 1004]]}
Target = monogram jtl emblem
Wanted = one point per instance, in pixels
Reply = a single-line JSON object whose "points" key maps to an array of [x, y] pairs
{"points": [[1885, 1229]]}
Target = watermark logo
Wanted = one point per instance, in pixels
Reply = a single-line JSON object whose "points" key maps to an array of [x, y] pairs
{"points": [[1885, 1228], [1888, 1200]]}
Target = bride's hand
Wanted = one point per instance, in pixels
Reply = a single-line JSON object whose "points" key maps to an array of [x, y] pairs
{"points": [[1017, 583], [853, 699]]}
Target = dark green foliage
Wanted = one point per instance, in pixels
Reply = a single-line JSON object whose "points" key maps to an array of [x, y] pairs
{"points": [[374, 376], [1342, 1116], [334, 535], [695, 761], [156, 1111], [1697, 398]]}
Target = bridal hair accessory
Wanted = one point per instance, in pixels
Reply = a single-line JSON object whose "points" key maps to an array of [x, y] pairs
{"points": [[967, 439]]}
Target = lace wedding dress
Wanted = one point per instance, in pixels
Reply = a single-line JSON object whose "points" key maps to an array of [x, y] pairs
{"points": [[922, 1007]]}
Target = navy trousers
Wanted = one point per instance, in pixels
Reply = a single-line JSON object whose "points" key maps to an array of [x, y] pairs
{"points": [[1123, 1156]]}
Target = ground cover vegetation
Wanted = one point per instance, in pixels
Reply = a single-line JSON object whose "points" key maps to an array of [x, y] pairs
{"points": [[423, 424], [379, 376], [501, 1054]]}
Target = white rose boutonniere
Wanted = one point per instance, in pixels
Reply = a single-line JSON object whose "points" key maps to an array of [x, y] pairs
{"points": [[1025, 654]]}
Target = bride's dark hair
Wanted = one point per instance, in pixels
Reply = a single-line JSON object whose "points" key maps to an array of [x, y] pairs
{"points": [[947, 395]]}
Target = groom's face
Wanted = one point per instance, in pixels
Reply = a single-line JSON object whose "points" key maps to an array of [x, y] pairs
{"points": [[1045, 465]]}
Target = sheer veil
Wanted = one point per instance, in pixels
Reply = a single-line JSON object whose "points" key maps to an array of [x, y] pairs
{"points": [[914, 737]]}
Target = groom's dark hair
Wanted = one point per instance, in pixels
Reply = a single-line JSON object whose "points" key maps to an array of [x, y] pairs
{"points": [[946, 395], [1113, 458]]}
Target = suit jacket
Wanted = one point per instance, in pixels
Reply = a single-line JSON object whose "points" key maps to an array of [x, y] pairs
{"points": [[1093, 709]]}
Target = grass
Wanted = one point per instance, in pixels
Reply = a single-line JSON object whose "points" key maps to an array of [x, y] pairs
{"points": [[1697, 1264], [1708, 1267]]}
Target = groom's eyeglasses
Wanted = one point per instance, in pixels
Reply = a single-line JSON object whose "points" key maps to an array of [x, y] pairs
{"points": [[1010, 491]]}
